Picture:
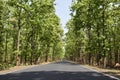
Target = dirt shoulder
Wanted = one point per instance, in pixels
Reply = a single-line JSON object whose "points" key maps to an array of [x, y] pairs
{"points": [[16, 68], [12, 69], [112, 72]]}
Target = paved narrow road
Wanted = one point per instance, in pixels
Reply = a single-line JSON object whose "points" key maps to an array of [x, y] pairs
{"points": [[62, 70]]}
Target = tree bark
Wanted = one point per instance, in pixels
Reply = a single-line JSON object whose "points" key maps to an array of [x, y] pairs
{"points": [[103, 33], [18, 40], [47, 51], [6, 46]]}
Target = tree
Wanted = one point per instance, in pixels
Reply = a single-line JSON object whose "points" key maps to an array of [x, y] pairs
{"points": [[1, 29], [30, 32], [95, 31]]}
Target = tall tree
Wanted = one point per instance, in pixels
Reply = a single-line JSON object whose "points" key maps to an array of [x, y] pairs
{"points": [[93, 19]]}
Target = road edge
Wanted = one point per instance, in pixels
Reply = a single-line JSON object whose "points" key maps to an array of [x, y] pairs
{"points": [[42, 64], [95, 70], [101, 72]]}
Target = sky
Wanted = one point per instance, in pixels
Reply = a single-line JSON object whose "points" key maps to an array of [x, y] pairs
{"points": [[63, 11]]}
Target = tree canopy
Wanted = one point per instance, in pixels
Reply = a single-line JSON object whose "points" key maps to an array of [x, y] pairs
{"points": [[93, 32], [30, 32]]}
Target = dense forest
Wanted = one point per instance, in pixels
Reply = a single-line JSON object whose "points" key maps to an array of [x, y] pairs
{"points": [[93, 35], [30, 32]]}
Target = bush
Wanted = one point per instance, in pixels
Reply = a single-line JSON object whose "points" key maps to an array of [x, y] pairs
{"points": [[1, 67], [5, 66]]}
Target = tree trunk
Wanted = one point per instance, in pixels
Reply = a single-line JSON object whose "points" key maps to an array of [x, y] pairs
{"points": [[6, 46], [53, 54], [32, 46], [103, 33], [47, 51], [14, 45], [18, 48], [98, 46], [110, 55], [89, 43], [18, 40]]}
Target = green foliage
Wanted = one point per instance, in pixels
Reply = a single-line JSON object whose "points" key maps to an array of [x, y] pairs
{"points": [[5, 66], [93, 32], [30, 32]]}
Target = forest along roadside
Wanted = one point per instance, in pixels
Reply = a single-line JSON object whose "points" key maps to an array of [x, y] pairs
{"points": [[112, 72]]}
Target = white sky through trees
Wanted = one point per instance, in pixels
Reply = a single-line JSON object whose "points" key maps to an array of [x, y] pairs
{"points": [[63, 11]]}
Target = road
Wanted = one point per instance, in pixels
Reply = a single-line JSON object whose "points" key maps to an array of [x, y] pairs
{"points": [[62, 70]]}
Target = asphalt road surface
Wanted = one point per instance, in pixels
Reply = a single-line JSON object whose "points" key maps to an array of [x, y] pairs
{"points": [[62, 70]]}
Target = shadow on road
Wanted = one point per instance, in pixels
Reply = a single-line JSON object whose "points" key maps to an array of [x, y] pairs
{"points": [[61, 70], [55, 75], [65, 63]]}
